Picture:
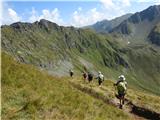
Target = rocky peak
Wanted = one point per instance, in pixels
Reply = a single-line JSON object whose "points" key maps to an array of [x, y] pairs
{"points": [[19, 25], [148, 14], [48, 24]]}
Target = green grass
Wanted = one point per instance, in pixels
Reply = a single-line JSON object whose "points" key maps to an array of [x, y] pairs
{"points": [[137, 97], [28, 93], [145, 68], [48, 48]]}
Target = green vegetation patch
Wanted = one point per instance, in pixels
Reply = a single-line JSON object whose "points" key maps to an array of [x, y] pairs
{"points": [[28, 93]]}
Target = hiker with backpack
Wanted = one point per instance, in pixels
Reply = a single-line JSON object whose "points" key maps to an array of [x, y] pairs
{"points": [[100, 78], [71, 72], [90, 77], [122, 88]]}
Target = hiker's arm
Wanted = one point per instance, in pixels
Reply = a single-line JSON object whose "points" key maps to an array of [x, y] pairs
{"points": [[117, 82]]}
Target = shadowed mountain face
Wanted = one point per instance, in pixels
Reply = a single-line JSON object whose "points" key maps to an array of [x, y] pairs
{"points": [[149, 14], [138, 26], [58, 49], [105, 26], [154, 36]]}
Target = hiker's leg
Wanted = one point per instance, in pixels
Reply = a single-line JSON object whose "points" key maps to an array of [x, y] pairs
{"points": [[120, 101], [71, 74], [120, 98], [100, 82], [120, 105], [123, 100]]}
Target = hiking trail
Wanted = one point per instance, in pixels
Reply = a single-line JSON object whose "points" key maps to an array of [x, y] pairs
{"points": [[107, 95]]}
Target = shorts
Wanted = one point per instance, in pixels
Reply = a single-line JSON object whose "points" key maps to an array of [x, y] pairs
{"points": [[121, 94]]}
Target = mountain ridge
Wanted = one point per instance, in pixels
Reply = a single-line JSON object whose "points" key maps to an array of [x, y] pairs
{"points": [[105, 26], [58, 49], [135, 28], [138, 26]]}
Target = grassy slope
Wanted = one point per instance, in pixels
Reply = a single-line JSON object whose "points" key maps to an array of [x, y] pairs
{"points": [[137, 97], [40, 47], [145, 63], [45, 48], [32, 94]]}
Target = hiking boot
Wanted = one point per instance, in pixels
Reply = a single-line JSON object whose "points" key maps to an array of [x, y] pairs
{"points": [[120, 106]]}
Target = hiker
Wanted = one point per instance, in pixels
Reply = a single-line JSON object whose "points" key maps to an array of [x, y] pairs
{"points": [[90, 77], [84, 75], [71, 72], [100, 78], [121, 87]]}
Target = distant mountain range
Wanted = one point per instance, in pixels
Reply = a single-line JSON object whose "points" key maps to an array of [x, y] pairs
{"points": [[58, 49], [105, 26], [134, 27]]}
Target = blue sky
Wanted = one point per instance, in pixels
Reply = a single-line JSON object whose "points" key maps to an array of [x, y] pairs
{"points": [[76, 13]]}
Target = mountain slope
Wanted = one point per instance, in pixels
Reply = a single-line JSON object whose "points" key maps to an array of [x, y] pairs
{"points": [[28, 93], [145, 63], [154, 36], [58, 49], [42, 43], [105, 26], [138, 26]]}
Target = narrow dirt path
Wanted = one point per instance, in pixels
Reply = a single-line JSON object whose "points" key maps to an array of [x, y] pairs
{"points": [[102, 93]]}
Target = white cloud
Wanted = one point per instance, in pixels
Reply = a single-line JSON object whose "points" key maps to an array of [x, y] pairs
{"points": [[34, 15], [51, 15], [80, 9], [148, 1], [9, 15], [125, 2], [108, 3], [109, 9], [114, 8], [13, 15], [157, 2], [82, 18]]}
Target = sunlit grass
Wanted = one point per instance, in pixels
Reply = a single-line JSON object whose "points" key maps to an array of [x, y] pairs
{"points": [[28, 93]]}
